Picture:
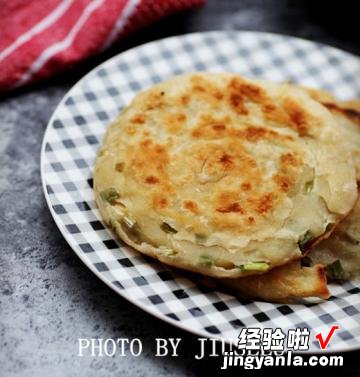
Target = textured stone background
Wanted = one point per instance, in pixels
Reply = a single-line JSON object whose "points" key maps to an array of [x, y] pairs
{"points": [[48, 298]]}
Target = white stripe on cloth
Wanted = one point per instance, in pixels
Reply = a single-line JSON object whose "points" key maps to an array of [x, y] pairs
{"points": [[45, 23], [59, 46], [126, 13]]}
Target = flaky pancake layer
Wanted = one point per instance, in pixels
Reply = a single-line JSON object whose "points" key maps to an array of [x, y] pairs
{"points": [[223, 175]]}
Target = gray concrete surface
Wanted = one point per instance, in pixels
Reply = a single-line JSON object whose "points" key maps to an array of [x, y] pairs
{"points": [[48, 298]]}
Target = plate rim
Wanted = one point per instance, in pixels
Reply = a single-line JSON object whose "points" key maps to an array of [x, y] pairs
{"points": [[147, 308]]}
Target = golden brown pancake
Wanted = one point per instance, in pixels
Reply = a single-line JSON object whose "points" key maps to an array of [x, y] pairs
{"points": [[223, 175]]}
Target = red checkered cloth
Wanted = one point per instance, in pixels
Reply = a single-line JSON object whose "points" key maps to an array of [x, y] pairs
{"points": [[39, 38]]}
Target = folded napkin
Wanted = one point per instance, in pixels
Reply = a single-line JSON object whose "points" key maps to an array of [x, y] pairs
{"points": [[39, 38]]}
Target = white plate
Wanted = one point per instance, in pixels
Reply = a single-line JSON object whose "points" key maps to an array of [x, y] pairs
{"points": [[69, 149]]}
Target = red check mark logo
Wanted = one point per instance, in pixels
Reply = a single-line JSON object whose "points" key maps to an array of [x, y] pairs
{"points": [[324, 343]]}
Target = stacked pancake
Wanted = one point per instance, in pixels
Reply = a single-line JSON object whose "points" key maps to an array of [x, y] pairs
{"points": [[250, 182]]}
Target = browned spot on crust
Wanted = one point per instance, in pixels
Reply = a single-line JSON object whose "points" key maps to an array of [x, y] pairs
{"points": [[298, 116], [247, 90], [214, 164], [150, 160], [159, 149], [185, 99], [146, 143], [287, 176], [154, 101], [289, 159], [269, 108], [265, 203], [284, 182], [250, 220], [119, 167], [175, 122], [274, 113], [214, 93], [218, 127], [240, 91], [255, 133], [233, 207], [246, 186], [237, 104], [228, 201], [159, 202], [253, 92], [151, 180], [199, 88], [138, 118], [191, 206], [202, 87], [209, 126], [226, 159], [351, 114]]}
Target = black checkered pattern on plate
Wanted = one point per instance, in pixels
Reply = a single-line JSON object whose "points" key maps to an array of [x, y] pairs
{"points": [[76, 129]]}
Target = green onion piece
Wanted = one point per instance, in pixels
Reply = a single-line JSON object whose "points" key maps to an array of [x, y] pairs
{"points": [[131, 229], [308, 187], [255, 266], [329, 227], [112, 224], [335, 271], [109, 195], [170, 253], [200, 237], [129, 222], [306, 262], [205, 261], [304, 240], [167, 228]]}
